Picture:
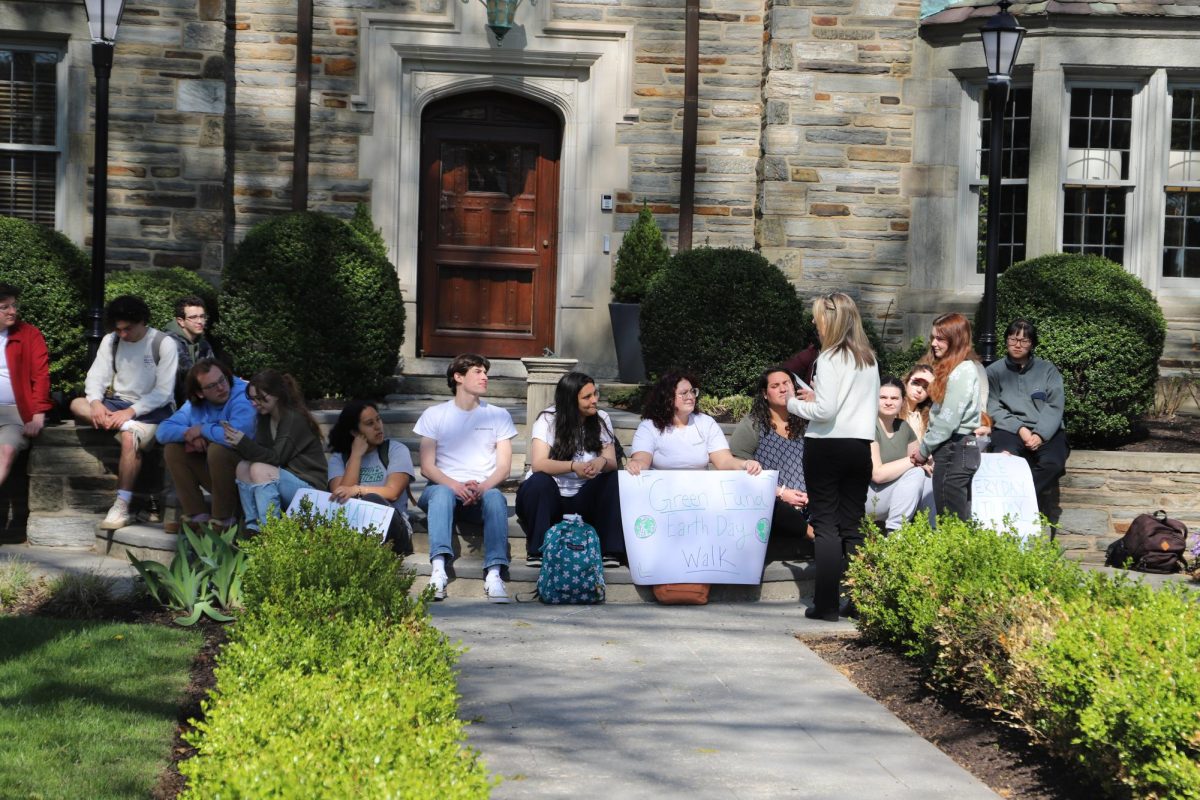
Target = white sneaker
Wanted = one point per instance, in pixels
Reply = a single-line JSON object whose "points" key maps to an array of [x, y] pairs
{"points": [[118, 516], [438, 582], [495, 590]]}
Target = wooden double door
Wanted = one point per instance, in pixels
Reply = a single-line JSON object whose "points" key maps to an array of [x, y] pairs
{"points": [[489, 218]]}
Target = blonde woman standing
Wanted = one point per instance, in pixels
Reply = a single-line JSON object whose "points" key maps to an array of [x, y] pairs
{"points": [[841, 409]]}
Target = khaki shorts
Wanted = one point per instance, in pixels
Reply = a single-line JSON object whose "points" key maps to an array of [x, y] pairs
{"points": [[144, 432], [12, 429]]}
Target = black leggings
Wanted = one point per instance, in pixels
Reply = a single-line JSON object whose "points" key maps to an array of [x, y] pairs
{"points": [[539, 506], [836, 472]]}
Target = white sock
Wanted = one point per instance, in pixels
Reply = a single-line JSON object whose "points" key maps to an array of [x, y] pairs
{"points": [[438, 565], [124, 494], [493, 573]]}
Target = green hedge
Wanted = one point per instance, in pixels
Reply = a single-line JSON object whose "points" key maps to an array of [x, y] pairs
{"points": [[1104, 672], [1100, 327], [52, 274], [309, 294], [160, 288], [723, 315], [334, 683]]}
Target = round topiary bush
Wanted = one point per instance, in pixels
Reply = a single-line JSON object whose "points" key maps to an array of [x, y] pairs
{"points": [[160, 288], [1100, 327], [52, 274], [722, 314], [306, 293]]}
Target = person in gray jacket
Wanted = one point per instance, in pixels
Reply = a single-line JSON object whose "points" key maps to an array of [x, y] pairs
{"points": [[1025, 402]]}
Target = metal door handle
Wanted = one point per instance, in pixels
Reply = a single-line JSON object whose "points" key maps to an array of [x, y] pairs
{"points": [[545, 242]]}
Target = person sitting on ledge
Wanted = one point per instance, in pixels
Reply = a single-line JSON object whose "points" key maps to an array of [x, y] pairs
{"points": [[196, 446], [572, 470], [1026, 401]]}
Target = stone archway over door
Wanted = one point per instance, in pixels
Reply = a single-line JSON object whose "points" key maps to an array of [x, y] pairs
{"points": [[488, 224]]}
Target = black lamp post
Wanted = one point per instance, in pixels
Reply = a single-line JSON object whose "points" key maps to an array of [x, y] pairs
{"points": [[103, 18], [1001, 40]]}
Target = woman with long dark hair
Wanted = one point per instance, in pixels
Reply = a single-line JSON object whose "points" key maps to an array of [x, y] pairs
{"points": [[774, 437], [572, 470], [284, 455], [916, 398], [837, 449], [959, 401], [361, 467]]}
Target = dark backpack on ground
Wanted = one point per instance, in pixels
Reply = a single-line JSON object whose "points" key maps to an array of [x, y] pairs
{"points": [[572, 570], [1153, 543]]}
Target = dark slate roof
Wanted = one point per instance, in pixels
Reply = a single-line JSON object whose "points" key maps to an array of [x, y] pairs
{"points": [[957, 12]]}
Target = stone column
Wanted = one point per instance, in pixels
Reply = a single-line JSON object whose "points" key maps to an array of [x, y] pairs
{"points": [[544, 373]]}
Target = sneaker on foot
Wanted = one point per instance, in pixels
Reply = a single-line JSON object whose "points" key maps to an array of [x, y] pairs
{"points": [[438, 582], [610, 562], [533, 561], [495, 590], [117, 517]]}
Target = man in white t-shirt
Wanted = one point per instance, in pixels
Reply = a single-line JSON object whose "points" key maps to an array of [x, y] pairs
{"points": [[130, 388], [466, 453]]}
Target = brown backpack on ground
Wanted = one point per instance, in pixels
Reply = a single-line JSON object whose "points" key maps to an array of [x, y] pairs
{"points": [[1153, 543], [682, 594]]}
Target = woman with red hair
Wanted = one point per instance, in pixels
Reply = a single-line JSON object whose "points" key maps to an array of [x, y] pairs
{"points": [[957, 410]]}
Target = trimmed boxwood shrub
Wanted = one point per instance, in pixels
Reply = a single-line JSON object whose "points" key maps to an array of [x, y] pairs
{"points": [[160, 288], [1104, 672], [1100, 327], [334, 683], [305, 293], [722, 314], [52, 274], [641, 257]]}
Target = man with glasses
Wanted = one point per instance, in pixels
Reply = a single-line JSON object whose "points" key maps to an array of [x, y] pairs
{"points": [[129, 389], [194, 442], [191, 321], [1025, 402], [24, 380]]}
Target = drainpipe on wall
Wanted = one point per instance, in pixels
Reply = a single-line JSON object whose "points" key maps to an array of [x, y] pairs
{"points": [[691, 102], [304, 40]]}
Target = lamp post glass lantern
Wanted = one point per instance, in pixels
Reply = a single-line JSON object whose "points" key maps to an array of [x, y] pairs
{"points": [[1002, 38], [104, 16]]}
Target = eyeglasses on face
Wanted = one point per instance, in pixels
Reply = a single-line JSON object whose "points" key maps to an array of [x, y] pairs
{"points": [[219, 382], [1018, 340], [693, 392], [259, 398]]}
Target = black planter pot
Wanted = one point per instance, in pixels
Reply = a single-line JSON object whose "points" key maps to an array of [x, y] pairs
{"points": [[627, 330]]}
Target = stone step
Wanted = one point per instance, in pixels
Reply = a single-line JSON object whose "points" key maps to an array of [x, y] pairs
{"points": [[434, 386], [782, 581], [143, 541]]}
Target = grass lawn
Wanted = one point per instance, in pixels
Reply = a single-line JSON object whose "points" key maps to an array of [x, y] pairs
{"points": [[88, 709]]}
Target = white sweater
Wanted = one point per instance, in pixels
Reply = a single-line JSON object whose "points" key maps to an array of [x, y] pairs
{"points": [[846, 402]]}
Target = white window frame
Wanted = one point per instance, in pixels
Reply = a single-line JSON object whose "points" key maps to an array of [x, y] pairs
{"points": [[969, 181], [60, 122], [1132, 257], [1175, 284]]}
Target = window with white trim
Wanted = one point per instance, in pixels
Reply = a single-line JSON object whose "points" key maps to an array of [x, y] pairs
{"points": [[30, 146], [1014, 176], [1181, 221], [1097, 176]]}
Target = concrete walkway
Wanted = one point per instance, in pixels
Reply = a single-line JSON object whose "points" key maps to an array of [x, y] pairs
{"points": [[644, 701]]}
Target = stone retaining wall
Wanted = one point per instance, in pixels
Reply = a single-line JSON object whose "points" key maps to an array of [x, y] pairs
{"points": [[1103, 491]]}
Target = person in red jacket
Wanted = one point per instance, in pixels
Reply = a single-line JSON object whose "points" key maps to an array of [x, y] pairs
{"points": [[24, 380]]}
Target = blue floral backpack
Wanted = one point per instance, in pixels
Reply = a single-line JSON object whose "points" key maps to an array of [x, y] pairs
{"points": [[572, 570]]}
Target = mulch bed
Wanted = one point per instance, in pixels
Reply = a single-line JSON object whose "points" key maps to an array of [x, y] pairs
{"points": [[1163, 435], [1000, 756]]}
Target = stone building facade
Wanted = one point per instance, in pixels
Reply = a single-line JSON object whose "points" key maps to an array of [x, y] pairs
{"points": [[838, 137]]}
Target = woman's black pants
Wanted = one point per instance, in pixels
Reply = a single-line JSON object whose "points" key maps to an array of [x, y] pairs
{"points": [[540, 506], [836, 472], [955, 463]]}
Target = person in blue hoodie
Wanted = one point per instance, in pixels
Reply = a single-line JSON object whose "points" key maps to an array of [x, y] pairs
{"points": [[195, 445]]}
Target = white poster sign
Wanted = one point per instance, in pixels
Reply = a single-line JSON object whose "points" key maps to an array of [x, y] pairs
{"points": [[1003, 487], [359, 514], [695, 526]]}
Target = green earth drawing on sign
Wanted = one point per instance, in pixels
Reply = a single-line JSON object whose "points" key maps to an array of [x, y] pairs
{"points": [[643, 527], [764, 529]]}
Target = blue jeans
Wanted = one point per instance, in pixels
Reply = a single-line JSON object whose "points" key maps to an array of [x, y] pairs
{"points": [[442, 507], [258, 498]]}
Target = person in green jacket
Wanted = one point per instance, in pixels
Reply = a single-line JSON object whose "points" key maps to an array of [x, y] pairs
{"points": [[1026, 401], [285, 454]]}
